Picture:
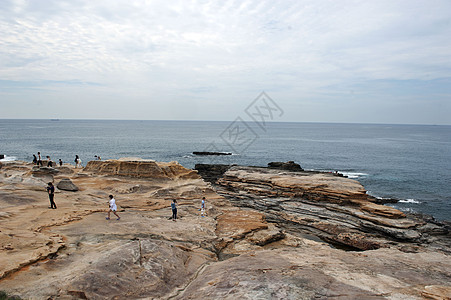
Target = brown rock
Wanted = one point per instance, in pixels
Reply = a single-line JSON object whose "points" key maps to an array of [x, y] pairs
{"points": [[265, 237], [437, 292], [313, 186], [238, 223], [315, 271], [140, 168], [381, 210], [137, 269], [65, 170], [333, 208], [37, 171]]}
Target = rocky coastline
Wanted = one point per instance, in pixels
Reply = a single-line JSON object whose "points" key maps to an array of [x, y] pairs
{"points": [[275, 232]]}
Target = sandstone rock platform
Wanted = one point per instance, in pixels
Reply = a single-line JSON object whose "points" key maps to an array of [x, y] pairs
{"points": [[267, 234]]}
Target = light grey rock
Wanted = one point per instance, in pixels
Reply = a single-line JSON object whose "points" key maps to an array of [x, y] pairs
{"points": [[67, 185]]}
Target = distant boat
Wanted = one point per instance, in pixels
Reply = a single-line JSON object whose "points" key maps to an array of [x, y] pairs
{"points": [[54, 119]]}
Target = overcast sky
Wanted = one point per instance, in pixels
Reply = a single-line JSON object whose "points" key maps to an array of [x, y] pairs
{"points": [[379, 61]]}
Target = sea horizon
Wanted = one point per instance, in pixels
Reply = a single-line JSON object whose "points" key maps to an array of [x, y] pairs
{"points": [[247, 121]]}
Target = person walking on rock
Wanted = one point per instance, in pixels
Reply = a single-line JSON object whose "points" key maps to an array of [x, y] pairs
{"points": [[39, 159], [35, 159], [174, 210], [202, 207], [51, 191], [113, 208]]}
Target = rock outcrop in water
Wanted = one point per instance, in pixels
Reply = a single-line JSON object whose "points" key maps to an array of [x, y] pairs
{"points": [[268, 234], [289, 166], [332, 208], [204, 153]]}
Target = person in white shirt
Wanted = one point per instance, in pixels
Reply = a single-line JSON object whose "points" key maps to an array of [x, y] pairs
{"points": [[113, 208], [202, 207], [78, 162]]}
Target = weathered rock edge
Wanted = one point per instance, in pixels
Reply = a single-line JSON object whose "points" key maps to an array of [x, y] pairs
{"points": [[141, 168], [333, 208]]}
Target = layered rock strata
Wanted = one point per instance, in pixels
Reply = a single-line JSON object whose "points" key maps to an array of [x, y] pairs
{"points": [[140, 168], [332, 208], [257, 241]]}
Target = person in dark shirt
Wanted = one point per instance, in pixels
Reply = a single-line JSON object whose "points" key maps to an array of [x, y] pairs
{"points": [[51, 191], [49, 162], [174, 209], [35, 159]]}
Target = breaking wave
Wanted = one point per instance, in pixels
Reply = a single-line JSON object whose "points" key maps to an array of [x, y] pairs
{"points": [[353, 175], [9, 158]]}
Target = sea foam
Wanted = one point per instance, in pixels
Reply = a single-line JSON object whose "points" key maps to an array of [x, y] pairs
{"points": [[9, 158], [353, 175], [409, 201]]}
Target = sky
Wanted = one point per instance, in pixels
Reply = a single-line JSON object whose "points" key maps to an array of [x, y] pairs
{"points": [[379, 61]]}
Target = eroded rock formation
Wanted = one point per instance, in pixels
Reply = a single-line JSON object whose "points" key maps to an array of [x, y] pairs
{"points": [[267, 234], [140, 168], [333, 208]]}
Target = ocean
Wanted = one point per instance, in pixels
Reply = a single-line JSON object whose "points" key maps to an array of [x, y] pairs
{"points": [[409, 162]]}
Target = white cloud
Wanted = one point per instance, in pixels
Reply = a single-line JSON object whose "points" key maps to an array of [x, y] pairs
{"points": [[160, 55]]}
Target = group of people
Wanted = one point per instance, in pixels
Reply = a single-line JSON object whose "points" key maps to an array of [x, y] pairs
{"points": [[113, 206], [37, 160], [112, 202], [174, 208]]}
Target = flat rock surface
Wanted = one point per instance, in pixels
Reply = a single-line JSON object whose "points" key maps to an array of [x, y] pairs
{"points": [[260, 238], [315, 271]]}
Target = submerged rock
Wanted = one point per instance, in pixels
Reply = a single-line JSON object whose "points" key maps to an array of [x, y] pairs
{"points": [[289, 166], [211, 153]]}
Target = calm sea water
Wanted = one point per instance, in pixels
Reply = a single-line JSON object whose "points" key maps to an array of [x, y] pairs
{"points": [[408, 162]]}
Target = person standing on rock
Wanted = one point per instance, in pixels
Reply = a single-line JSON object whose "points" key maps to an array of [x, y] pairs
{"points": [[113, 208], [49, 162], [51, 191], [77, 161], [35, 159], [60, 162], [174, 210], [202, 207], [39, 159]]}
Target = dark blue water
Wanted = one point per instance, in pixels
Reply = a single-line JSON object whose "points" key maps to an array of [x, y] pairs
{"points": [[409, 162]]}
